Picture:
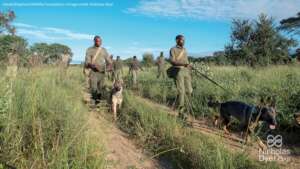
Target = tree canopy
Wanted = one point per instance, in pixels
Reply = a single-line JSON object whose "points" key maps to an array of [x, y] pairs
{"points": [[291, 24], [257, 43], [5, 22]]}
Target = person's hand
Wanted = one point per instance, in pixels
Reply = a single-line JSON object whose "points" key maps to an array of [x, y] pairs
{"points": [[189, 66]]}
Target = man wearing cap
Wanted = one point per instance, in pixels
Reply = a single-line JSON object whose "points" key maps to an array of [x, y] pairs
{"points": [[118, 69], [133, 69], [95, 60], [161, 66], [183, 80]]}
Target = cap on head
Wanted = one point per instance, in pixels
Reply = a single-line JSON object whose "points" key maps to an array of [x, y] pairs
{"points": [[179, 37], [97, 37], [161, 54]]}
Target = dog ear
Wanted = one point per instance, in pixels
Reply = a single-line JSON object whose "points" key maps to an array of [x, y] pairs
{"points": [[273, 103], [269, 100], [262, 101]]}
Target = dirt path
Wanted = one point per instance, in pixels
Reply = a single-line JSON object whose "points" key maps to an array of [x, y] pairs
{"points": [[121, 152]]}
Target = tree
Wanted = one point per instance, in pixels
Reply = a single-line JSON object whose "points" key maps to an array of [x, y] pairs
{"points": [[257, 43], [5, 22], [238, 51], [56, 52], [291, 24], [50, 53], [148, 59], [10, 42]]}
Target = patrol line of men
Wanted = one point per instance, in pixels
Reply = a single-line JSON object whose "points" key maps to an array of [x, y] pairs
{"points": [[97, 61]]}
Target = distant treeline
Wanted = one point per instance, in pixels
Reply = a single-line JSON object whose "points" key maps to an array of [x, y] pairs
{"points": [[258, 42], [41, 53]]}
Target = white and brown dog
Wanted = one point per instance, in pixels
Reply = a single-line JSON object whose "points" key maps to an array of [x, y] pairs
{"points": [[116, 97]]}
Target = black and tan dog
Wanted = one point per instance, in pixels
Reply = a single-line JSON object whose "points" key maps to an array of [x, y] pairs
{"points": [[246, 114], [116, 97]]}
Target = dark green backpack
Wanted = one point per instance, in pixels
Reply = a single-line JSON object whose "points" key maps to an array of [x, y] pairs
{"points": [[172, 72]]}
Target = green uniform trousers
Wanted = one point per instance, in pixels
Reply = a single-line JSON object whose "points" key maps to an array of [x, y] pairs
{"points": [[161, 73], [118, 74], [184, 87], [97, 80], [134, 74]]}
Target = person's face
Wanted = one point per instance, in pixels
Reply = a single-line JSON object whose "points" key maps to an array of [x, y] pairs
{"points": [[180, 41], [98, 42]]}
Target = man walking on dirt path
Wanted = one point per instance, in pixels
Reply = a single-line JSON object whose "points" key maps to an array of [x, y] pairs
{"points": [[133, 70], [183, 80], [118, 69], [95, 60], [161, 66]]}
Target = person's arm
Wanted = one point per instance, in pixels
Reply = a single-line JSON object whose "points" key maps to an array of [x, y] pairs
{"points": [[157, 61], [173, 60], [87, 60], [139, 65]]}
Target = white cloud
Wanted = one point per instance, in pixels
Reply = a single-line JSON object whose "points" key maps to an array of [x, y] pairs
{"points": [[216, 9], [50, 33]]}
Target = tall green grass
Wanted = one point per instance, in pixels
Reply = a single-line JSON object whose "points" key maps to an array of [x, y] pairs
{"points": [[166, 137], [43, 121], [244, 83]]}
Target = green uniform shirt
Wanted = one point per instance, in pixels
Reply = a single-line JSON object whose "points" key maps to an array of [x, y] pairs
{"points": [[118, 65], [161, 62], [135, 65], [101, 59], [175, 52]]}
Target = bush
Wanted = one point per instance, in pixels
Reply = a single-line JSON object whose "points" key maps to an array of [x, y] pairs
{"points": [[43, 121]]}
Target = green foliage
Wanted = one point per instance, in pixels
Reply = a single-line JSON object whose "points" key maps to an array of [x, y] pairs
{"points": [[148, 59], [245, 84], [50, 53], [291, 24], [43, 121], [257, 43], [166, 137], [11, 42], [5, 22]]}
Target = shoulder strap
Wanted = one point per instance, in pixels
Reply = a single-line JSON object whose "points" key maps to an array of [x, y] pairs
{"points": [[180, 54], [96, 54]]}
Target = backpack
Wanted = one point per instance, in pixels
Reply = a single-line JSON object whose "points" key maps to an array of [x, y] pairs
{"points": [[173, 71]]}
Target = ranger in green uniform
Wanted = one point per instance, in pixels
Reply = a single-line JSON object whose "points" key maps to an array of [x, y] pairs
{"points": [[118, 69], [109, 68], [133, 70], [161, 66], [183, 80], [95, 60]]}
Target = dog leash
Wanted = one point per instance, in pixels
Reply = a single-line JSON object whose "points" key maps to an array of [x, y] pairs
{"points": [[209, 79], [250, 119]]}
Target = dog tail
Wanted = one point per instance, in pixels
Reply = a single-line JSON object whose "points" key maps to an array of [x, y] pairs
{"points": [[213, 104]]}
